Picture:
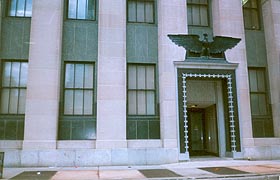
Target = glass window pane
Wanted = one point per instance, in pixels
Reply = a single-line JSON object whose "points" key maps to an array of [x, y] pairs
{"points": [[82, 9], [13, 105], [13, 4], [15, 74], [195, 1], [247, 19], [149, 12], [132, 11], [253, 3], [79, 76], [89, 76], [141, 77], [69, 75], [20, 8], [190, 21], [195, 15], [150, 77], [255, 104], [150, 103], [262, 104], [132, 102], [72, 4], [91, 9], [23, 74], [78, 102], [28, 9], [255, 19], [203, 16], [6, 74], [88, 102], [21, 104], [5, 101], [68, 101], [203, 2], [132, 77], [140, 11], [261, 81], [253, 80], [141, 102]]}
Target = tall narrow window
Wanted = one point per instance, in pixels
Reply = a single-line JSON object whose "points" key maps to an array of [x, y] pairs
{"points": [[20, 8], [251, 15], [262, 121], [81, 9], [78, 89], [13, 90], [141, 11], [198, 12], [77, 119], [143, 122], [141, 90]]}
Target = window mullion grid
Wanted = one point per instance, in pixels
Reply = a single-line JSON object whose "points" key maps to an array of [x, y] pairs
{"points": [[74, 90], [145, 90], [16, 10], [137, 91], [136, 11], [18, 93], [199, 13], [77, 5], [145, 3], [192, 16], [10, 88], [83, 90], [86, 11], [24, 11]]}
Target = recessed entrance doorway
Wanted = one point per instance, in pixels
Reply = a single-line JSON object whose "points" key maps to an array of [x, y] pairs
{"points": [[202, 130], [208, 121]]}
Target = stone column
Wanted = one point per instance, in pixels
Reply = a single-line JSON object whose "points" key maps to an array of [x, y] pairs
{"points": [[228, 21], [43, 86], [111, 75], [271, 16], [171, 20]]}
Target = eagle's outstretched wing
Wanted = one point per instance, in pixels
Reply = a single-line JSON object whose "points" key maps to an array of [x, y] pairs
{"points": [[221, 44], [189, 42]]}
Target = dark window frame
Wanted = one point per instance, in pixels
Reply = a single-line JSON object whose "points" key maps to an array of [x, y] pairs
{"points": [[143, 90], [251, 10], [93, 89], [265, 92], [81, 19], [143, 126], [262, 124], [8, 5], [193, 4], [13, 87], [145, 1]]}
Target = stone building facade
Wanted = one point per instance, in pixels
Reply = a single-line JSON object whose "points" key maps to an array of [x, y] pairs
{"points": [[98, 82]]}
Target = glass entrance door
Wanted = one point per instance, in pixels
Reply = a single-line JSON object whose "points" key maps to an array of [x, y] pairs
{"points": [[196, 133]]}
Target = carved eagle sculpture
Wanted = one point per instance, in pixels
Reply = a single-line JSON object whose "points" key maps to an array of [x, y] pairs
{"points": [[204, 48]]}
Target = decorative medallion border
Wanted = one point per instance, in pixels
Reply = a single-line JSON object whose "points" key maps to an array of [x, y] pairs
{"points": [[230, 105]]}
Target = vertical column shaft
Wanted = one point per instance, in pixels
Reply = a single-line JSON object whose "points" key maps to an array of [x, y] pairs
{"points": [[42, 101], [172, 20], [271, 16], [111, 75]]}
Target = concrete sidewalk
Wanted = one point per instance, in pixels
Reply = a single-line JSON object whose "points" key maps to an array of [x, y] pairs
{"points": [[200, 168]]}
